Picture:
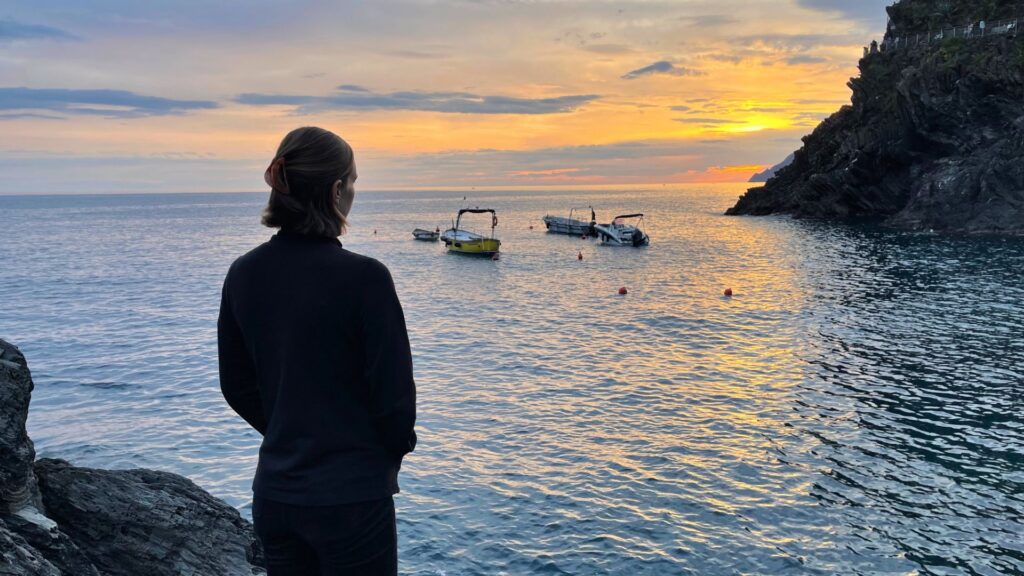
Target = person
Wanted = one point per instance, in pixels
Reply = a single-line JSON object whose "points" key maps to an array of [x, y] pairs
{"points": [[315, 356]]}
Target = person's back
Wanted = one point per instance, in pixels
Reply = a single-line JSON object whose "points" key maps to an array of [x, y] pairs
{"points": [[314, 355]]}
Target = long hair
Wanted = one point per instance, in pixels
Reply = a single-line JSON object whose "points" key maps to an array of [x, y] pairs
{"points": [[302, 175]]}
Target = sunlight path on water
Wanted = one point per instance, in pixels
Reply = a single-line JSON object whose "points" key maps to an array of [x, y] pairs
{"points": [[853, 408]]}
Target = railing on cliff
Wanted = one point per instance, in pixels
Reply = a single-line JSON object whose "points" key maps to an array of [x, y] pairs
{"points": [[981, 29]]}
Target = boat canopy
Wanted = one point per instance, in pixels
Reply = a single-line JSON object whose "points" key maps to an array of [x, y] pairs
{"points": [[629, 216], [476, 211]]}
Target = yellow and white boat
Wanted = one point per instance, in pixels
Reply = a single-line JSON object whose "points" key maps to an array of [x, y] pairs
{"points": [[465, 242]]}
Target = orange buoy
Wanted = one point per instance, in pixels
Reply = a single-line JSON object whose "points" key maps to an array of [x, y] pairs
{"points": [[579, 255], [728, 292], [623, 291]]}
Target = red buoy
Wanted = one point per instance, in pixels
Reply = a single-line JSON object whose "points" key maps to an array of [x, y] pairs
{"points": [[579, 255], [728, 292], [623, 291]]}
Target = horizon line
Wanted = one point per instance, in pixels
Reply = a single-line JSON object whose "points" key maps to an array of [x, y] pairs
{"points": [[377, 190]]}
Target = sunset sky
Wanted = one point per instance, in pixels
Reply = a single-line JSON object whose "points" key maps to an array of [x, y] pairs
{"points": [[181, 95]]}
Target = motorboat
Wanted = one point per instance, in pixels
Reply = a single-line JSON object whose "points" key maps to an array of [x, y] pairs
{"points": [[426, 235], [571, 225], [461, 241], [622, 233]]}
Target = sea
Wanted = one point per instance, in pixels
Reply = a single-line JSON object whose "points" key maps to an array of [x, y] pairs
{"points": [[856, 407]]}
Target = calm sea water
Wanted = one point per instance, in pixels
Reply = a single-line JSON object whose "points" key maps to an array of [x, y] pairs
{"points": [[856, 408]]}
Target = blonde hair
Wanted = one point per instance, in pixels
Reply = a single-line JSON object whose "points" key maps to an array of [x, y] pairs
{"points": [[302, 175]]}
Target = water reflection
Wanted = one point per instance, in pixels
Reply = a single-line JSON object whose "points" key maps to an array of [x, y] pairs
{"points": [[916, 368], [853, 409]]}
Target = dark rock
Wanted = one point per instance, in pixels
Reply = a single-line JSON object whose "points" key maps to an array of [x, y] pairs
{"points": [[17, 481], [931, 141], [54, 546], [145, 522], [132, 522], [110, 523], [19, 558]]}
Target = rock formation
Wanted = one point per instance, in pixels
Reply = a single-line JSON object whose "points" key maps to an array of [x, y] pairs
{"points": [[934, 135], [59, 520], [19, 492], [768, 173]]}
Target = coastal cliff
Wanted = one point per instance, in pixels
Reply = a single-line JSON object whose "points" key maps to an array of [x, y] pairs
{"points": [[60, 520], [934, 136]]}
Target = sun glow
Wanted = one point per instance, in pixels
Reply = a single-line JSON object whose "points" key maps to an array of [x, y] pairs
{"points": [[584, 95]]}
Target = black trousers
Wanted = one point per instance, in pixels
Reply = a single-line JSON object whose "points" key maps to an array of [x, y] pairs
{"points": [[345, 539]]}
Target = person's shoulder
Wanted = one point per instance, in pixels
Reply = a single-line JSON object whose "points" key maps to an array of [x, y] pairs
{"points": [[251, 256], [248, 260], [371, 271]]}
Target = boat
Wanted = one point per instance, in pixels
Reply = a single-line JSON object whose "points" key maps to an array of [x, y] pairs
{"points": [[619, 233], [570, 225], [426, 235], [461, 241]]}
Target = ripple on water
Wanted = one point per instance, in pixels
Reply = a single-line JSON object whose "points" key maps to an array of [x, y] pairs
{"points": [[854, 409]]}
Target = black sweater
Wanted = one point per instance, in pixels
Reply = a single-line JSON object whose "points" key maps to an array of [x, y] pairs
{"points": [[314, 355]]}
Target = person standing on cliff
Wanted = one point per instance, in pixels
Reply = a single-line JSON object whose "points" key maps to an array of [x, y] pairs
{"points": [[314, 355]]}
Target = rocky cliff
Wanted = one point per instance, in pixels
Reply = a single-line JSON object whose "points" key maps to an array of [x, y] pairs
{"points": [[59, 520], [933, 138], [768, 173]]}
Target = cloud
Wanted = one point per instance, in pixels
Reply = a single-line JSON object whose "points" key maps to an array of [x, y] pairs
{"points": [[27, 116], [708, 20], [28, 172], [662, 67], [551, 172], [14, 30], [797, 42], [620, 162], [350, 97], [108, 103], [418, 54], [859, 10], [608, 48], [704, 121], [805, 59]]}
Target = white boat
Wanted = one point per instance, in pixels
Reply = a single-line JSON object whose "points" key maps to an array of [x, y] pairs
{"points": [[426, 235], [570, 225], [451, 235], [619, 233]]}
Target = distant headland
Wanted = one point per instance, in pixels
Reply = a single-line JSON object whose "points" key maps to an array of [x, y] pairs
{"points": [[934, 136]]}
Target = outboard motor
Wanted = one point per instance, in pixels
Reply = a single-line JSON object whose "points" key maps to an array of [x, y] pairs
{"points": [[638, 237]]}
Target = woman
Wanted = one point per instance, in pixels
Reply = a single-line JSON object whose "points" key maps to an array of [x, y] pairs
{"points": [[314, 355]]}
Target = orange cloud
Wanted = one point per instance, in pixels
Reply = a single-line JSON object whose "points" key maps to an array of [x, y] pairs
{"points": [[533, 173], [719, 174]]}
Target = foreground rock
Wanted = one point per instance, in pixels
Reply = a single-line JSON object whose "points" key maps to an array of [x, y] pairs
{"points": [[145, 522], [59, 520], [933, 139], [18, 489]]}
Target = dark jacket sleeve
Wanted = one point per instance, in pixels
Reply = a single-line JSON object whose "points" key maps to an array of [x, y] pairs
{"points": [[237, 373], [388, 361]]}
